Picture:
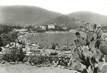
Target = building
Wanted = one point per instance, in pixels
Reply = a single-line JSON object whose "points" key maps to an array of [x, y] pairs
{"points": [[20, 30], [43, 27], [51, 26]]}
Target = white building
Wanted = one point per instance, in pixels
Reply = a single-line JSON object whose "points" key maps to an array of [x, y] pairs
{"points": [[20, 30], [43, 27], [51, 26]]}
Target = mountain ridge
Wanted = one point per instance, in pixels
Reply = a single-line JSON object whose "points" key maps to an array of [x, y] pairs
{"points": [[26, 15], [31, 15]]}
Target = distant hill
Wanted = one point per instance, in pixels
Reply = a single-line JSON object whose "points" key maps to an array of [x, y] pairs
{"points": [[31, 15], [78, 18], [25, 15], [62, 20], [83, 17]]}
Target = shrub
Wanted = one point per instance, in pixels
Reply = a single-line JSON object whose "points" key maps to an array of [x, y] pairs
{"points": [[37, 60], [14, 55], [42, 60]]}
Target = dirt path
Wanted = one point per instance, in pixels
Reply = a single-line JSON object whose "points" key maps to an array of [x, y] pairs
{"points": [[21, 68]]}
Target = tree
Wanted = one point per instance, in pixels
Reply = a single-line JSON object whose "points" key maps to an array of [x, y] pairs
{"points": [[7, 38]]}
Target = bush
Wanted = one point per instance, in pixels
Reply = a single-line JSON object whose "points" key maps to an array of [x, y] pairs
{"points": [[14, 55], [42, 60], [8, 38], [37, 60]]}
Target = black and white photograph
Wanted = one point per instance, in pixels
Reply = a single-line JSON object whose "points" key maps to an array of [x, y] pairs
{"points": [[53, 36]]}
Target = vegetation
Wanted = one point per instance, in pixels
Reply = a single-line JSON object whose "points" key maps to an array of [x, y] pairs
{"points": [[64, 49], [7, 34]]}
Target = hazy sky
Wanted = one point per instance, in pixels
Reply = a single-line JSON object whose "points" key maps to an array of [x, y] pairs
{"points": [[63, 6]]}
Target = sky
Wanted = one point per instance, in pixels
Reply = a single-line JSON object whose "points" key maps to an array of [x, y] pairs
{"points": [[63, 6]]}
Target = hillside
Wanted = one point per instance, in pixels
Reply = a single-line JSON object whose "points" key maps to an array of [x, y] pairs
{"points": [[78, 18], [64, 19], [25, 15], [82, 17], [31, 15]]}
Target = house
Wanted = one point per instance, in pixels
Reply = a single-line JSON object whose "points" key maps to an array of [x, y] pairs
{"points": [[64, 28], [20, 30], [72, 30], [43, 27], [51, 26]]}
